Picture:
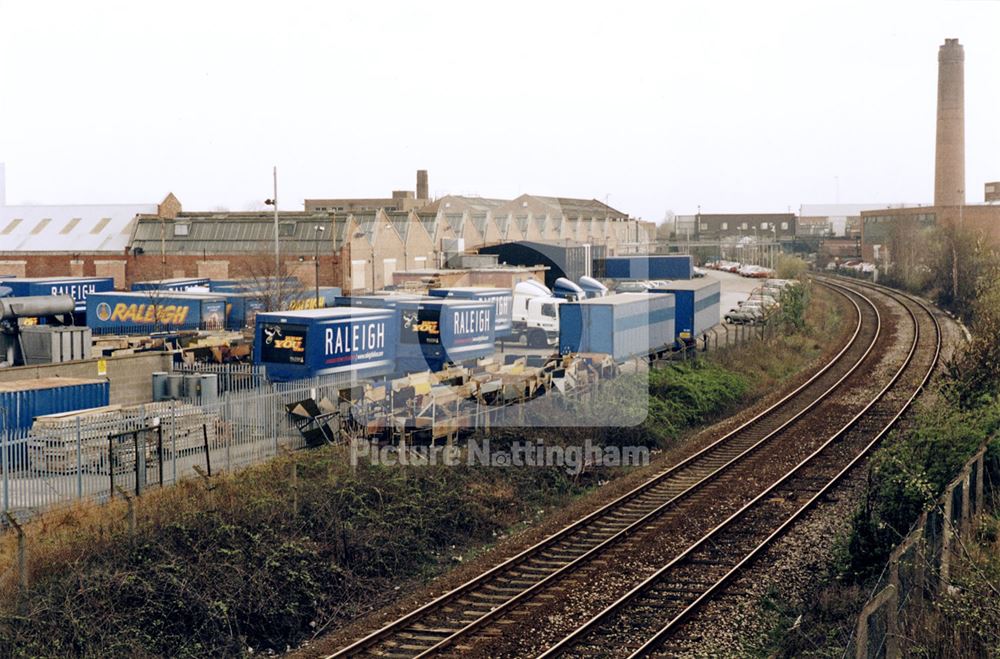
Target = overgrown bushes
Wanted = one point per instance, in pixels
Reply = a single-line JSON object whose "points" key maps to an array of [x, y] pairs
{"points": [[246, 562]]}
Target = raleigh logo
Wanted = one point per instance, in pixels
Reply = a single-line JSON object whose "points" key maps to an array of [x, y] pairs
{"points": [[170, 314]]}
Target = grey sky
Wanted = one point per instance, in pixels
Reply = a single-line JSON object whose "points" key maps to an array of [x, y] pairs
{"points": [[734, 106]]}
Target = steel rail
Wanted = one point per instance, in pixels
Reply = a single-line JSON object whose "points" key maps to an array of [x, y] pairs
{"points": [[400, 625], [578, 634]]}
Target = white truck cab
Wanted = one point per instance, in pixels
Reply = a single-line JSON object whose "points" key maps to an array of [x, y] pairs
{"points": [[536, 314]]}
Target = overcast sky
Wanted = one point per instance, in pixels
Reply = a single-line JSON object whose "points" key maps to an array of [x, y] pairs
{"points": [[736, 106]]}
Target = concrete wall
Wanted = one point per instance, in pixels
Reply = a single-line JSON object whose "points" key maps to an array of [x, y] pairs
{"points": [[130, 375]]}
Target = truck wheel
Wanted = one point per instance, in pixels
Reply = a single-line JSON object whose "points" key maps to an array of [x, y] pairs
{"points": [[537, 339]]}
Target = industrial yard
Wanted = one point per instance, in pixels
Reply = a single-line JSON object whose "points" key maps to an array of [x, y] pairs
{"points": [[453, 330]]}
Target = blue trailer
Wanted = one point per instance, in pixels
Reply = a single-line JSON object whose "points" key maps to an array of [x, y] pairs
{"points": [[307, 299], [253, 285], [436, 331], [375, 301], [143, 312], [242, 309], [671, 266], [197, 284], [76, 287], [292, 345], [625, 325], [502, 299], [697, 305]]}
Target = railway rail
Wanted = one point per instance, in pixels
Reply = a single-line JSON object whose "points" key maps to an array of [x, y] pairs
{"points": [[459, 614], [646, 620]]}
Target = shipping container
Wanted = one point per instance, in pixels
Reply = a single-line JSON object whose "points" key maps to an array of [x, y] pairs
{"points": [[672, 266], [242, 309], [306, 299], [697, 302], [292, 345], [436, 331], [197, 284], [76, 287], [502, 299], [23, 400], [253, 284], [569, 261], [623, 326], [389, 301], [142, 312]]}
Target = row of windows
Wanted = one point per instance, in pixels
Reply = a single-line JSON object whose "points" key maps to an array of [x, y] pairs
{"points": [[764, 226]]}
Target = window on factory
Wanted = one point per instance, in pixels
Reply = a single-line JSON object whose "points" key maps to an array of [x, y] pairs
{"points": [[10, 227], [286, 229], [358, 274], [784, 226], [725, 226], [388, 268], [182, 229], [763, 226], [744, 226], [70, 226], [41, 226], [704, 226]]}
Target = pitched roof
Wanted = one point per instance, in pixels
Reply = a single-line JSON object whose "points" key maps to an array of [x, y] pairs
{"points": [[221, 233], [82, 228]]}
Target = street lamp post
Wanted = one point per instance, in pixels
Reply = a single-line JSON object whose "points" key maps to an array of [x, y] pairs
{"points": [[318, 229], [277, 256]]}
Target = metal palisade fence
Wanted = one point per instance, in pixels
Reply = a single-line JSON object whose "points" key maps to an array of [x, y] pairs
{"points": [[96, 455]]}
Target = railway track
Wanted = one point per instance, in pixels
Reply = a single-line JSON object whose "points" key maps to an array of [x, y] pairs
{"points": [[647, 619], [453, 618]]}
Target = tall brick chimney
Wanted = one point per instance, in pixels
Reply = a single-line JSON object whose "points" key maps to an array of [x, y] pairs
{"points": [[949, 163], [422, 184]]}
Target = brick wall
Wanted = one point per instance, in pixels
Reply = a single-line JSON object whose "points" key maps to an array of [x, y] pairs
{"points": [[16, 268], [130, 375], [129, 268], [213, 269]]}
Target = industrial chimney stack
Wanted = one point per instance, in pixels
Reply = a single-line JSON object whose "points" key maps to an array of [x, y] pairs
{"points": [[949, 164], [422, 184]]}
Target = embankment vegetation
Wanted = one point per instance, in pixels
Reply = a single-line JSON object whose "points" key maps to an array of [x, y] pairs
{"points": [[248, 562], [905, 477]]}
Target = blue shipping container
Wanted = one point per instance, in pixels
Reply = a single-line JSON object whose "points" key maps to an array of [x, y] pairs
{"points": [[175, 284], [502, 299], [434, 332], [242, 309], [140, 312], [697, 305], [299, 344], [624, 325], [673, 266], [76, 287], [23, 400], [307, 299]]}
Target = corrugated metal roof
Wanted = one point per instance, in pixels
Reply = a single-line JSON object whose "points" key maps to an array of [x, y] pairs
{"points": [[85, 228], [580, 207], [222, 233]]}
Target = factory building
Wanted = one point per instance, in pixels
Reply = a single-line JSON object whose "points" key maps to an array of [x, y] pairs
{"points": [[722, 226], [73, 239]]}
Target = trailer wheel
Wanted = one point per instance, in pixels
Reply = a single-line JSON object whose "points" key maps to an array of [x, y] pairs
{"points": [[537, 339]]}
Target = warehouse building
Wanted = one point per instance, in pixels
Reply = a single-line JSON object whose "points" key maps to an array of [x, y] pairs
{"points": [[78, 240]]}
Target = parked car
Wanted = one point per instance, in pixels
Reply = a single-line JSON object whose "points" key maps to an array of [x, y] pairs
{"points": [[746, 315], [700, 272]]}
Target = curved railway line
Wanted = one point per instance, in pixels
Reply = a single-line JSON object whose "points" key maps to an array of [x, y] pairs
{"points": [[801, 446]]}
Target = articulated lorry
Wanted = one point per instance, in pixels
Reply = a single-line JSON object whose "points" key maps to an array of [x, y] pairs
{"points": [[535, 316]]}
